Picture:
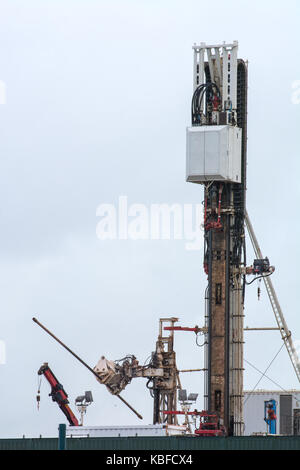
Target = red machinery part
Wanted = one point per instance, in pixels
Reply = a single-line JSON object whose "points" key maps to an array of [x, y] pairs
{"points": [[58, 394], [209, 432], [182, 328], [209, 422], [205, 267], [194, 413], [217, 225], [271, 414], [216, 102]]}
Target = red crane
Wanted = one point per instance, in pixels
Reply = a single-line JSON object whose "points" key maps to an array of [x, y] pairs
{"points": [[58, 394]]}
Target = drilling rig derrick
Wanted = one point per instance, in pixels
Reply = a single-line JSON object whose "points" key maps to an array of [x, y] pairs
{"points": [[216, 158]]}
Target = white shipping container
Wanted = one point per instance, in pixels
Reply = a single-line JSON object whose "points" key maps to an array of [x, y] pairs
{"points": [[125, 431], [213, 153]]}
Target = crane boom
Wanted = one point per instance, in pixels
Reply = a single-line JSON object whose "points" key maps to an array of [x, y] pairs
{"points": [[58, 394], [286, 334]]}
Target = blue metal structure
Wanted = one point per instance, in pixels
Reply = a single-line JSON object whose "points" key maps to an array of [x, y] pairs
{"points": [[270, 416]]}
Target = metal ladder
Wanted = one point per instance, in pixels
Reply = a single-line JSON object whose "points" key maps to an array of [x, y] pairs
{"points": [[286, 335]]}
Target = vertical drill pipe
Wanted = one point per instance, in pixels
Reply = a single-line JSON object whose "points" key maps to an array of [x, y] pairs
{"points": [[84, 363], [219, 205], [209, 319], [206, 345], [227, 329]]}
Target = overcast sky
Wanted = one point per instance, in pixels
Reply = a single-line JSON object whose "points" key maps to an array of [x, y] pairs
{"points": [[97, 101]]}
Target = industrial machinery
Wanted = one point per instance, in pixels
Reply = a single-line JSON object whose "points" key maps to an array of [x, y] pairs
{"points": [[216, 157], [206, 424], [58, 394], [83, 363], [210, 425], [270, 416], [161, 373]]}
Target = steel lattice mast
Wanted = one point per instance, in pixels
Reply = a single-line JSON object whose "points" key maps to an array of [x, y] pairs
{"points": [[286, 335]]}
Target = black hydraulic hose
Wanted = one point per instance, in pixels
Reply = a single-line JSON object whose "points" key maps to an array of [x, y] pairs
{"points": [[256, 278], [198, 95]]}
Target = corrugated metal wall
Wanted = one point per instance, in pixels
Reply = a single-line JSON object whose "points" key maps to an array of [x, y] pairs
{"points": [[286, 414], [157, 443], [29, 444]]}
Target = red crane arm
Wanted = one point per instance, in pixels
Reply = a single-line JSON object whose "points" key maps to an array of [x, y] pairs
{"points": [[58, 394]]}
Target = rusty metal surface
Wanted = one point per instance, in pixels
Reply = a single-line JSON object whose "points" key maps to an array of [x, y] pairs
{"points": [[218, 351]]}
